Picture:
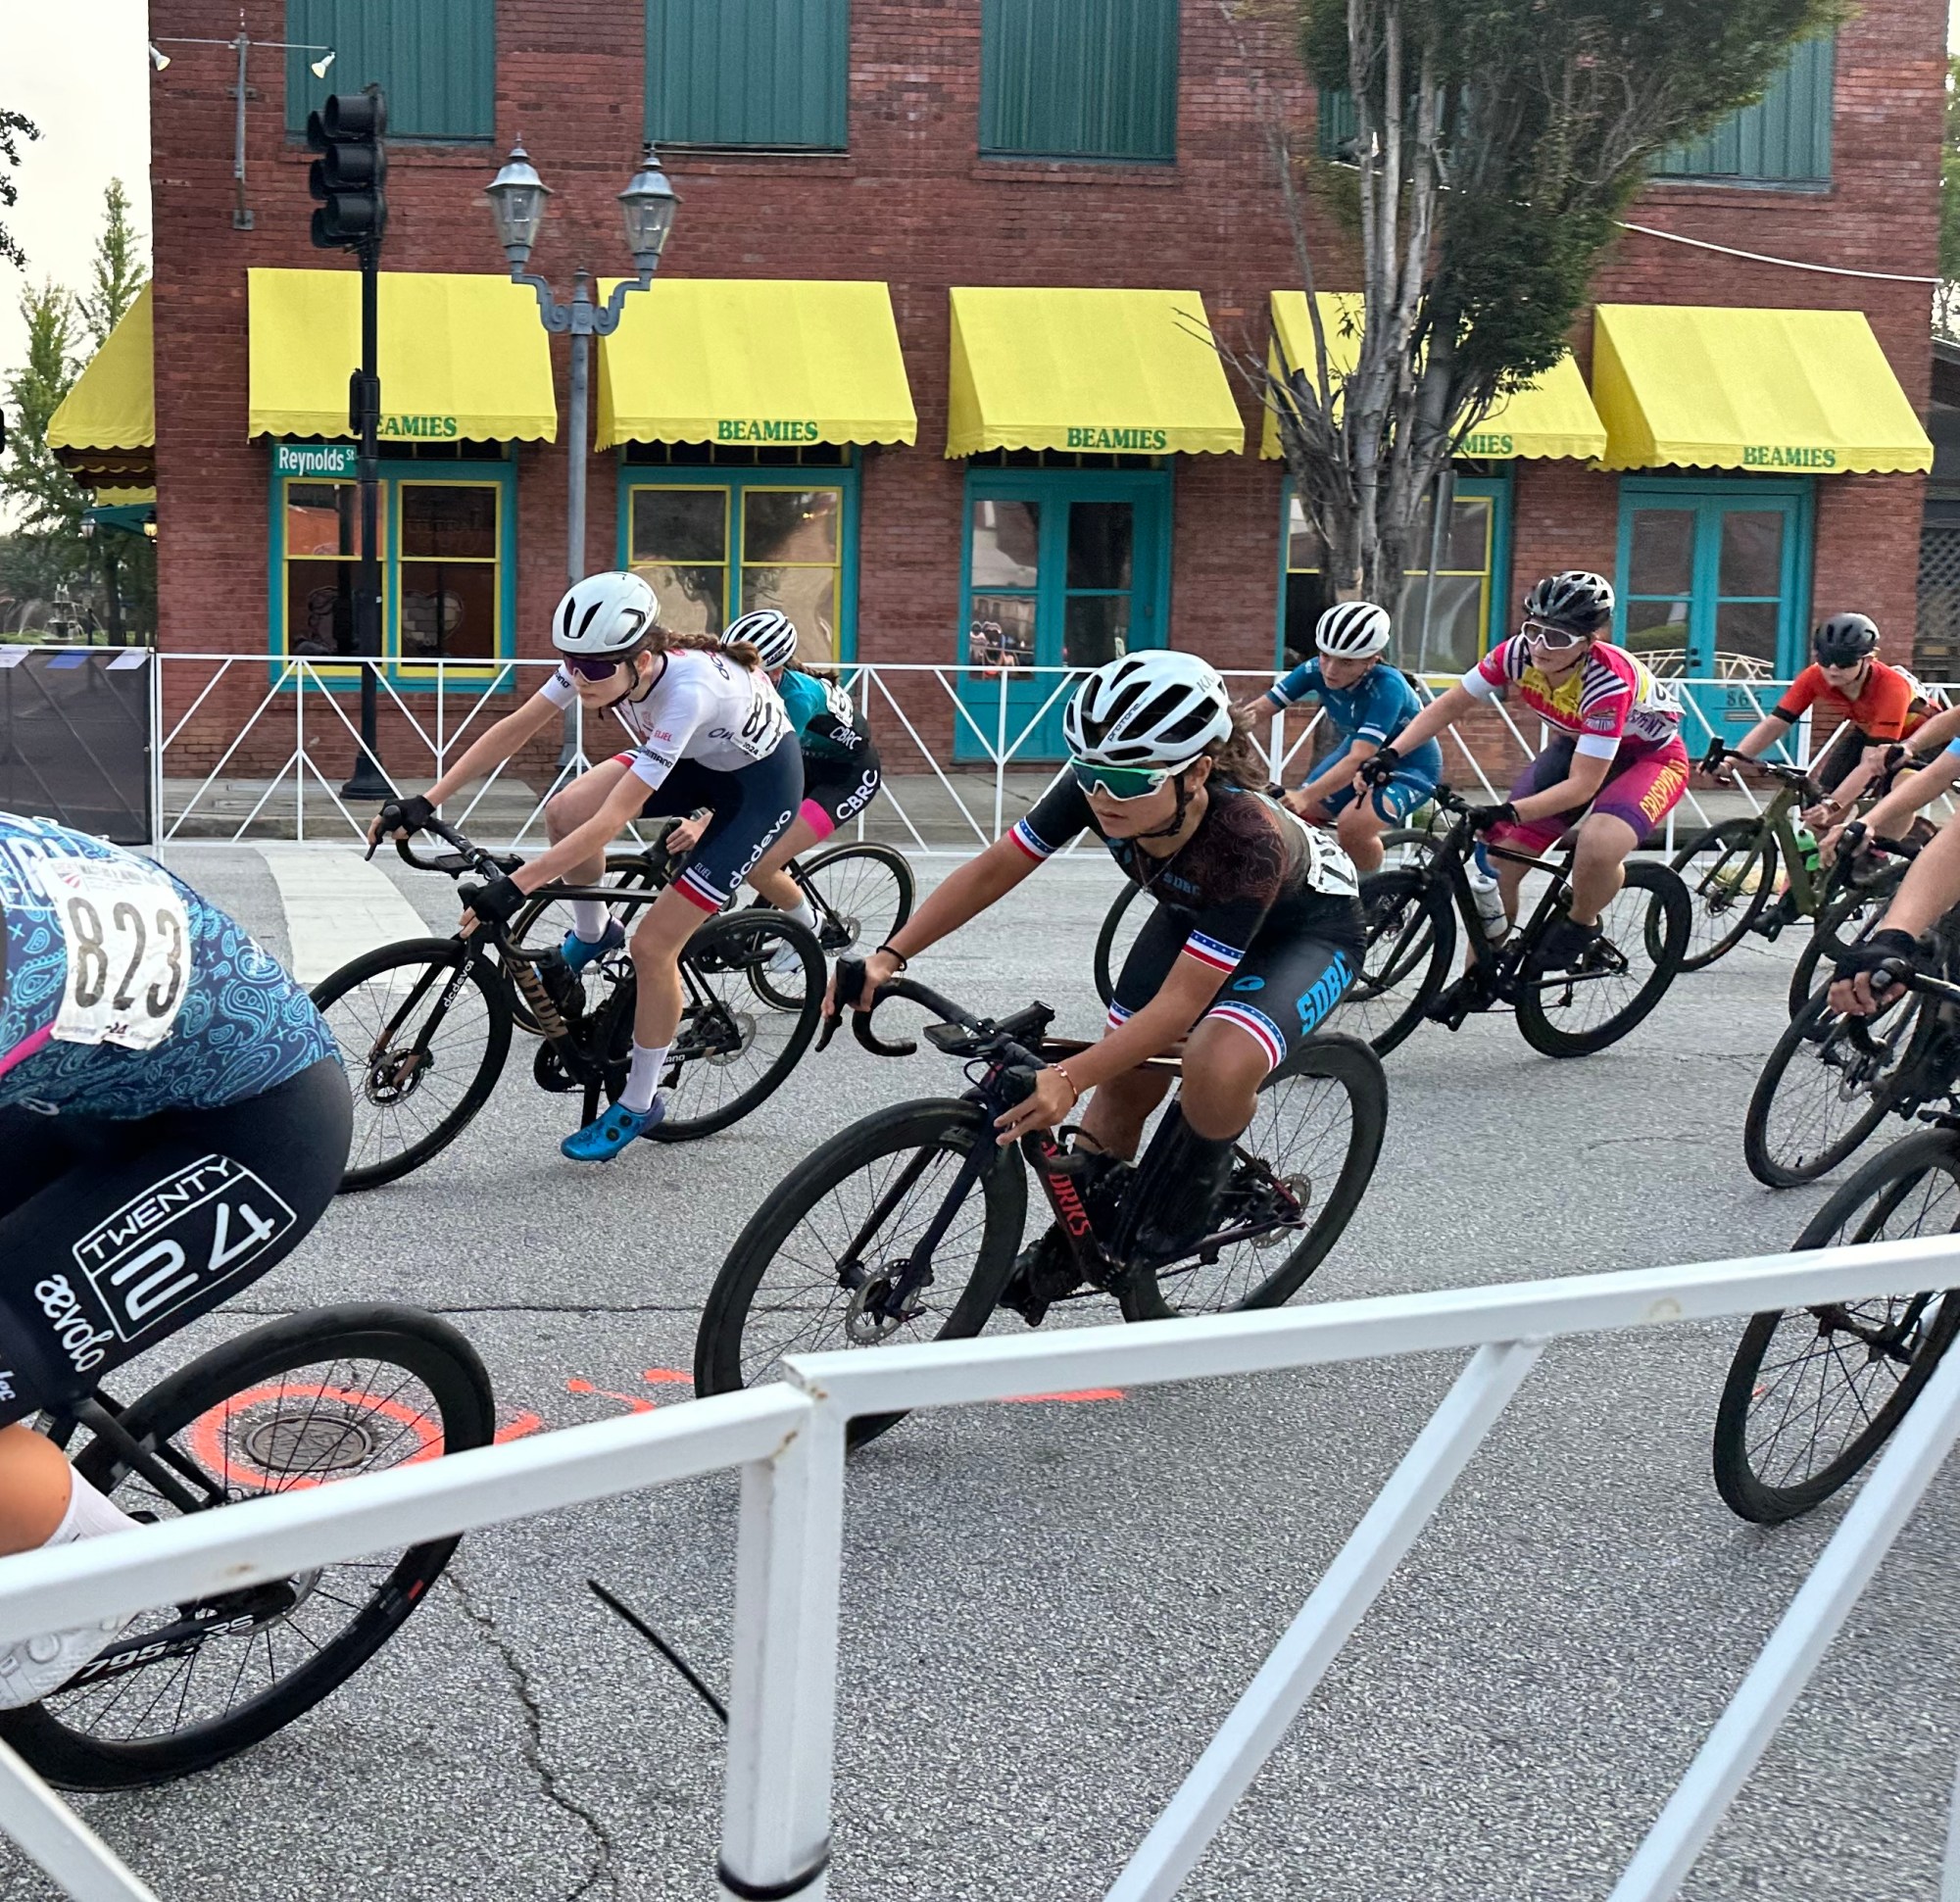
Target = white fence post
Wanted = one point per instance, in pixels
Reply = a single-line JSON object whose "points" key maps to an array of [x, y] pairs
{"points": [[782, 1695], [60, 1843]]}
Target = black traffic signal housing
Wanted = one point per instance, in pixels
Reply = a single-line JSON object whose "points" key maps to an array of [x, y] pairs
{"points": [[349, 178]]}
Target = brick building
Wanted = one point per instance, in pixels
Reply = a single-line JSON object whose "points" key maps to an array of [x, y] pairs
{"points": [[853, 162]]}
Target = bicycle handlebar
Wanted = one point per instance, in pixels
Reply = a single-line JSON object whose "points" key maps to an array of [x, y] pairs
{"points": [[849, 983], [1719, 753]]}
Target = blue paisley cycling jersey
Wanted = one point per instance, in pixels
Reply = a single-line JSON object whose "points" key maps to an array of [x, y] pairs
{"points": [[125, 994], [1374, 710]]}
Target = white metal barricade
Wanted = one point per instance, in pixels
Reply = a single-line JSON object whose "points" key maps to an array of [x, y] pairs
{"points": [[788, 1440]]}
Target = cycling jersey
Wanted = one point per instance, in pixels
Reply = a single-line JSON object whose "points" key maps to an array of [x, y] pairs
{"points": [[1609, 702], [821, 715], [1881, 708], [1376, 707], [1250, 865], [700, 706], [126, 994]]}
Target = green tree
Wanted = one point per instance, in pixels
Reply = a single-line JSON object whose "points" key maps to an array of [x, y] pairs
{"points": [[1497, 142], [14, 127], [1946, 303], [119, 271]]}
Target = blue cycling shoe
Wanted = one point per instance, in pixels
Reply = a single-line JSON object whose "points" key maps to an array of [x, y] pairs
{"points": [[578, 954], [602, 1141]]}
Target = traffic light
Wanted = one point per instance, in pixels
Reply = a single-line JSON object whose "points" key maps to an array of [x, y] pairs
{"points": [[348, 177]]}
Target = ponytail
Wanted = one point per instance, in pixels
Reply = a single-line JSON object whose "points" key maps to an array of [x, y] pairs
{"points": [[1238, 760], [662, 640]]}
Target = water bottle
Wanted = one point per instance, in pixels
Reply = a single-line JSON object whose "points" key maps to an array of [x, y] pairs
{"points": [[1489, 897], [1806, 850]]}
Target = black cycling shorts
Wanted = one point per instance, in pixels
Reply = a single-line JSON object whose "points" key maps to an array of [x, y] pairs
{"points": [[753, 806], [115, 1235], [835, 790], [1282, 987]]}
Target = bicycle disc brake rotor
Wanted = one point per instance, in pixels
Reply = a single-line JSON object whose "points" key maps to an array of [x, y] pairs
{"points": [[866, 1321], [717, 1035], [393, 1076]]}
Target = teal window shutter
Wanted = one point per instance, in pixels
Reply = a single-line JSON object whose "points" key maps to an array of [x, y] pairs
{"points": [[749, 72], [1785, 138], [1079, 78], [1335, 126], [437, 58]]}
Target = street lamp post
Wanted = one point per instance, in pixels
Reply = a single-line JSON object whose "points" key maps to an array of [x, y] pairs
{"points": [[517, 198]]}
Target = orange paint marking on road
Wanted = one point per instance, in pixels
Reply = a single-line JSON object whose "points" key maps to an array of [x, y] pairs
{"points": [[1084, 1394], [516, 1428], [630, 1402], [666, 1377]]}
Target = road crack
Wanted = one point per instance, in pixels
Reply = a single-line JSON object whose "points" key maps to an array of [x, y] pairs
{"points": [[606, 1850]]}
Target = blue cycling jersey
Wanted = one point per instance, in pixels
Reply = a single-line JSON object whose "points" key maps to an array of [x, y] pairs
{"points": [[821, 715], [1375, 708], [125, 994]]}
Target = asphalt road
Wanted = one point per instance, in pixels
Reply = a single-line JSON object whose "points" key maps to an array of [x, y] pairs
{"points": [[1050, 1607]]}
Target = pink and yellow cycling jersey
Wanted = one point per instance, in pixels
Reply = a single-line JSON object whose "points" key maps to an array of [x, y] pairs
{"points": [[1608, 703]]}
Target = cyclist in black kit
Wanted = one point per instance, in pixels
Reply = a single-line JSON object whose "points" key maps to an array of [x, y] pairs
{"points": [[1256, 932]]}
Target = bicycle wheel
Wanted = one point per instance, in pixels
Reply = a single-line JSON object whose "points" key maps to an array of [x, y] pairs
{"points": [[1847, 920], [1814, 1393], [423, 1029], [1824, 1087], [1730, 871], [544, 922], [1121, 923], [1643, 931], [861, 894], [1316, 1134], [1411, 944], [798, 1277], [728, 1055], [303, 1401]]}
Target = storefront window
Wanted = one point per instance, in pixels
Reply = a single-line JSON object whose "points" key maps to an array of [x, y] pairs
{"points": [[680, 544], [322, 548], [790, 541], [448, 590]]}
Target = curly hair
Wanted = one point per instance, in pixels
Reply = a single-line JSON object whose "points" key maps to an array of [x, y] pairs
{"points": [[1239, 759]]}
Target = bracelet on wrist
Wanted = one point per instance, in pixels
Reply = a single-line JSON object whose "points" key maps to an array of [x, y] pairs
{"points": [[890, 951], [1075, 1088]]}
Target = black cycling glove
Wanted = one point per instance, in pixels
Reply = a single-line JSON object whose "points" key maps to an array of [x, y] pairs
{"points": [[405, 815], [500, 901], [1873, 953], [1715, 755], [1483, 817], [1380, 766]]}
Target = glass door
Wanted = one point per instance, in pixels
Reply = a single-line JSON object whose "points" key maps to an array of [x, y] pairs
{"points": [[1063, 568]]}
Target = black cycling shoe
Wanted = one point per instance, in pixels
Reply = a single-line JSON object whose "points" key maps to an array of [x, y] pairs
{"points": [[1043, 1274], [1566, 946]]}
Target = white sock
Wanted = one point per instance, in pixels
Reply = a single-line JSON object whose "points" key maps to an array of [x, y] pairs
{"points": [[588, 919], [643, 1079], [803, 912], [88, 1516]]}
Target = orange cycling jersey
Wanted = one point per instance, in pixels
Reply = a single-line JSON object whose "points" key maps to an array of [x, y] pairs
{"points": [[1609, 702], [1887, 705]]}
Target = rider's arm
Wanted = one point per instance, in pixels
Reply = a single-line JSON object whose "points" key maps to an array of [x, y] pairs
{"points": [[963, 894], [1909, 794], [1930, 737], [495, 744], [1341, 772], [1765, 734], [1287, 691], [1930, 888], [623, 807], [1441, 714], [1184, 997]]}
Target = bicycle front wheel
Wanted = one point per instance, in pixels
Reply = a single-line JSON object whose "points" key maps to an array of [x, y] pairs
{"points": [[1643, 931], [423, 1029], [1847, 920], [1730, 872], [861, 894], [1411, 944], [1814, 1393], [807, 1272], [1826, 1086], [305, 1402], [1315, 1138]]}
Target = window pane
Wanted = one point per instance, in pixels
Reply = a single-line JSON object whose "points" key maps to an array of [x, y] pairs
{"points": [[1001, 631], [809, 597], [680, 525], [1466, 548], [1094, 628], [1455, 636], [449, 611], [791, 524], [769, 73], [1752, 551], [1084, 78], [437, 59], [690, 598], [452, 522], [322, 518], [1302, 544], [1100, 535], [1785, 135], [319, 606], [1007, 543], [1657, 631], [1663, 552], [1746, 640], [1306, 599]]}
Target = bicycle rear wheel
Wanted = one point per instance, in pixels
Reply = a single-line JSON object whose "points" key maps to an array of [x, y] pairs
{"points": [[1126, 917], [1643, 933], [861, 894], [1316, 1134], [1824, 1090], [423, 1029], [1411, 944], [1814, 1393], [1846, 920], [303, 1401], [830, 1236], [1730, 872]]}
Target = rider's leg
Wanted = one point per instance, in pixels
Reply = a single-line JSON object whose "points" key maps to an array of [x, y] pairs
{"points": [[657, 944], [566, 811], [34, 1489], [773, 883], [1359, 830], [1113, 1121], [1600, 865]]}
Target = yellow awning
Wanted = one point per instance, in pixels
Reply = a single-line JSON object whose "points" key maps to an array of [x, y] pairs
{"points": [[463, 357], [106, 426], [1807, 391], [1108, 371], [745, 360], [1552, 417]]}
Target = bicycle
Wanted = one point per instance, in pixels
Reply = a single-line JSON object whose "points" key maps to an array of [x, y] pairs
{"points": [[1412, 917], [302, 1401], [1830, 1081], [907, 1224], [425, 1026]]}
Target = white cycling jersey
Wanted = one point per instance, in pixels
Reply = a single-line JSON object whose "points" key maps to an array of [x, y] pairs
{"points": [[701, 708]]}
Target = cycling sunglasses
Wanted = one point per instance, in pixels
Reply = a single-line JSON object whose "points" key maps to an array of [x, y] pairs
{"points": [[1554, 640], [1120, 782], [596, 667]]}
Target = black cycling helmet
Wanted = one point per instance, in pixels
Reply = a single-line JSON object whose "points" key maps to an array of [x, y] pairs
{"points": [[1845, 640], [1579, 601]]}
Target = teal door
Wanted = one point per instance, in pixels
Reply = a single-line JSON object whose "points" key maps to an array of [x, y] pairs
{"points": [[1712, 580], [1061, 568]]}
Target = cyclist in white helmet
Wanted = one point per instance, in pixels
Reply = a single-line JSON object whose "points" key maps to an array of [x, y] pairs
{"points": [[708, 730], [1256, 934]]}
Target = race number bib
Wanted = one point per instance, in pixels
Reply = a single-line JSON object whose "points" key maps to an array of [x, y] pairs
{"points": [[838, 702], [128, 950], [1329, 869]]}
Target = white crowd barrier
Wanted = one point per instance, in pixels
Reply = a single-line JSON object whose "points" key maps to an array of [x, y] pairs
{"points": [[788, 1442]]}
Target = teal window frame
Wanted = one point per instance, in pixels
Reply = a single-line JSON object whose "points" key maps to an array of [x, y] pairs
{"points": [[769, 75], [1498, 488], [407, 676], [712, 475], [1054, 75], [1783, 139], [437, 58]]}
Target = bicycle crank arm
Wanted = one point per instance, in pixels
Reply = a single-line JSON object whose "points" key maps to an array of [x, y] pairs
{"points": [[235, 1613]]}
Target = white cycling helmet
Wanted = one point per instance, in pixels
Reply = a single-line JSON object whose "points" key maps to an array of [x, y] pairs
{"points": [[608, 613], [1352, 630], [770, 631], [1159, 707]]}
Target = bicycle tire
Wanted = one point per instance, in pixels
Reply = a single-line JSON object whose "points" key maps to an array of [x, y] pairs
{"points": [[369, 1085], [1411, 903], [836, 941], [1107, 972], [1713, 888], [1770, 1155], [1356, 1072], [409, 1341], [906, 1130], [1846, 920], [1667, 903], [1882, 1188], [731, 944]]}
